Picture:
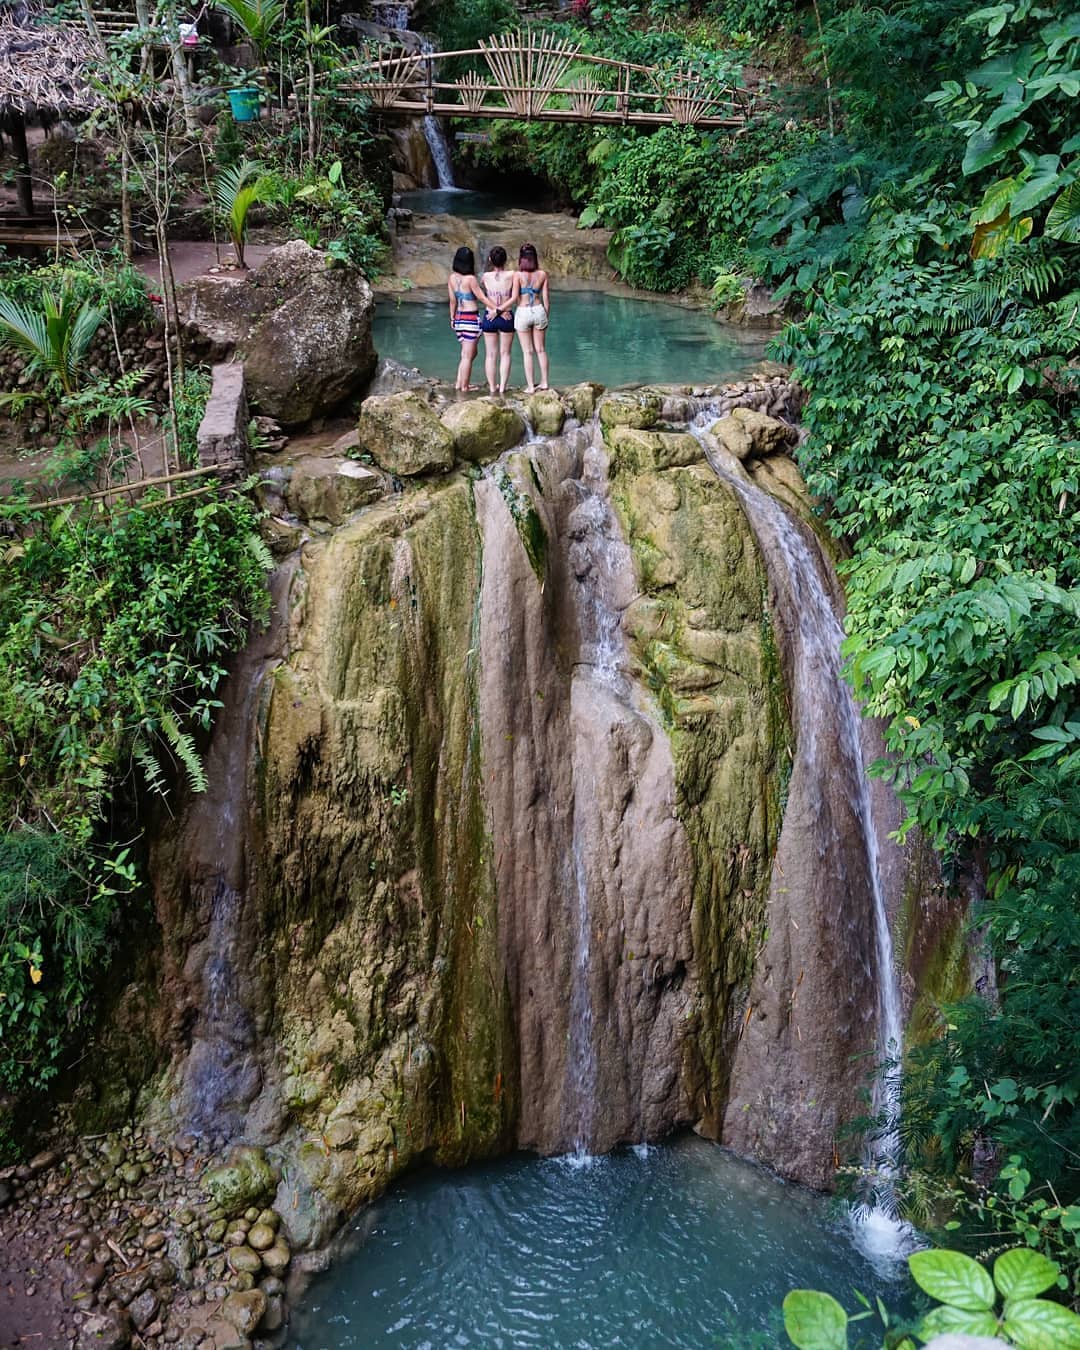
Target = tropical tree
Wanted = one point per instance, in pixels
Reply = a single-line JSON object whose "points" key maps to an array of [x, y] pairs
{"points": [[236, 190], [259, 20]]}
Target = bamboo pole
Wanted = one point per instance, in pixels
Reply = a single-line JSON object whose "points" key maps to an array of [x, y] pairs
{"points": [[159, 481]]}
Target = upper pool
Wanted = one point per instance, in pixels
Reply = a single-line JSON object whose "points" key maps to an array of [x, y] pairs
{"points": [[611, 338], [682, 1245]]}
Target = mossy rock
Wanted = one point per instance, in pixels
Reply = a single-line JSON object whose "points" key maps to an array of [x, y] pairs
{"points": [[635, 451], [245, 1178], [404, 435], [639, 409], [482, 428], [581, 399], [546, 412]]}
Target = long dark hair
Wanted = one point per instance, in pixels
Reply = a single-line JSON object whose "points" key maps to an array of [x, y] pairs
{"points": [[497, 257], [527, 259], [464, 262]]}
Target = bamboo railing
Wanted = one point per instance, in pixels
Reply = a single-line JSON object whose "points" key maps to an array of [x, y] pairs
{"points": [[527, 78]]}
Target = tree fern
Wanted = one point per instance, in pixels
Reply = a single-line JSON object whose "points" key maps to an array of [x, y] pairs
{"points": [[184, 749]]}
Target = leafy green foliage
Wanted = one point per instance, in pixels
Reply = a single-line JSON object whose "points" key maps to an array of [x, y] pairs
{"points": [[968, 1304], [113, 630]]}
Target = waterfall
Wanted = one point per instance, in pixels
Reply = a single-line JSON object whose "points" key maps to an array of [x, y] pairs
{"points": [[824, 704], [600, 693], [440, 150]]}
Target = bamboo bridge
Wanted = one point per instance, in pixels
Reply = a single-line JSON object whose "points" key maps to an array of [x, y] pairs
{"points": [[537, 77]]}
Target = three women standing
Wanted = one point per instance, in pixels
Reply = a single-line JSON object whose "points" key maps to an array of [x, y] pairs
{"points": [[528, 288]]}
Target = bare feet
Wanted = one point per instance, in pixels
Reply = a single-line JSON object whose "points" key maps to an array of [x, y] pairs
{"points": [[530, 389], [542, 387]]}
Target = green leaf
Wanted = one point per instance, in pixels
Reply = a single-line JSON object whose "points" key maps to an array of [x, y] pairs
{"points": [[1023, 1273], [941, 1321], [815, 1321], [987, 147], [1038, 1324], [953, 1278], [1042, 183], [1063, 220], [1020, 698]]}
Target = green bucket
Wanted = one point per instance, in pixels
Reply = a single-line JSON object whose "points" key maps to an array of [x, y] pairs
{"points": [[244, 104]]}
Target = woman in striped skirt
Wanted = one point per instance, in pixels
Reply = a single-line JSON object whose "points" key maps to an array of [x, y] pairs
{"points": [[466, 297]]}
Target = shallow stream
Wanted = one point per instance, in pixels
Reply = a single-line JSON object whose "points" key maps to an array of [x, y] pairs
{"points": [[613, 339], [680, 1245]]}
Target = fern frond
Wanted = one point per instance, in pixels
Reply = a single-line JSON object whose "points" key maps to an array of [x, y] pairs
{"points": [[147, 761], [262, 555], [184, 749]]}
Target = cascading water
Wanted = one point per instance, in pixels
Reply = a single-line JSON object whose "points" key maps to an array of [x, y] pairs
{"points": [[824, 700], [389, 14], [437, 142]]}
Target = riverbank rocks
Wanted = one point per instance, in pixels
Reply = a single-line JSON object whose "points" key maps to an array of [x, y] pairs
{"points": [[546, 412], [301, 323], [404, 435], [747, 433], [243, 1179], [328, 489], [639, 409], [482, 428]]}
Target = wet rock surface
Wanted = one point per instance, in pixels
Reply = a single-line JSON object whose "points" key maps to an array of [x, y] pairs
{"points": [[115, 1241], [487, 860]]}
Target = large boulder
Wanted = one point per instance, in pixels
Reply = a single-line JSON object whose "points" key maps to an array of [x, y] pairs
{"points": [[300, 323], [483, 428], [404, 435]]}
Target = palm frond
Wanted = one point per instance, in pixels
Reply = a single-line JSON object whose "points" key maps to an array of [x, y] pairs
{"points": [[23, 330]]}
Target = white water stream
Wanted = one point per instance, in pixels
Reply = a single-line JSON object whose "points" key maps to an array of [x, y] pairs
{"points": [[824, 701]]}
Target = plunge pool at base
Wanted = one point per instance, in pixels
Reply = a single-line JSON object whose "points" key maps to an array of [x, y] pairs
{"points": [[614, 339], [680, 1245]]}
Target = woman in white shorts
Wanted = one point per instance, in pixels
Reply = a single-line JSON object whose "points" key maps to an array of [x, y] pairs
{"points": [[533, 294]]}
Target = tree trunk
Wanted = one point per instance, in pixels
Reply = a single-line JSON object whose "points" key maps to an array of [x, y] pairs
{"points": [[310, 52], [24, 184]]}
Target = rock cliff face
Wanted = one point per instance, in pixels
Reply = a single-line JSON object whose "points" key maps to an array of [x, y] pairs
{"points": [[519, 823]]}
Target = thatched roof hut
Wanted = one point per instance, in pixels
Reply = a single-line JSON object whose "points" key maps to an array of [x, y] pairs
{"points": [[43, 65]]}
